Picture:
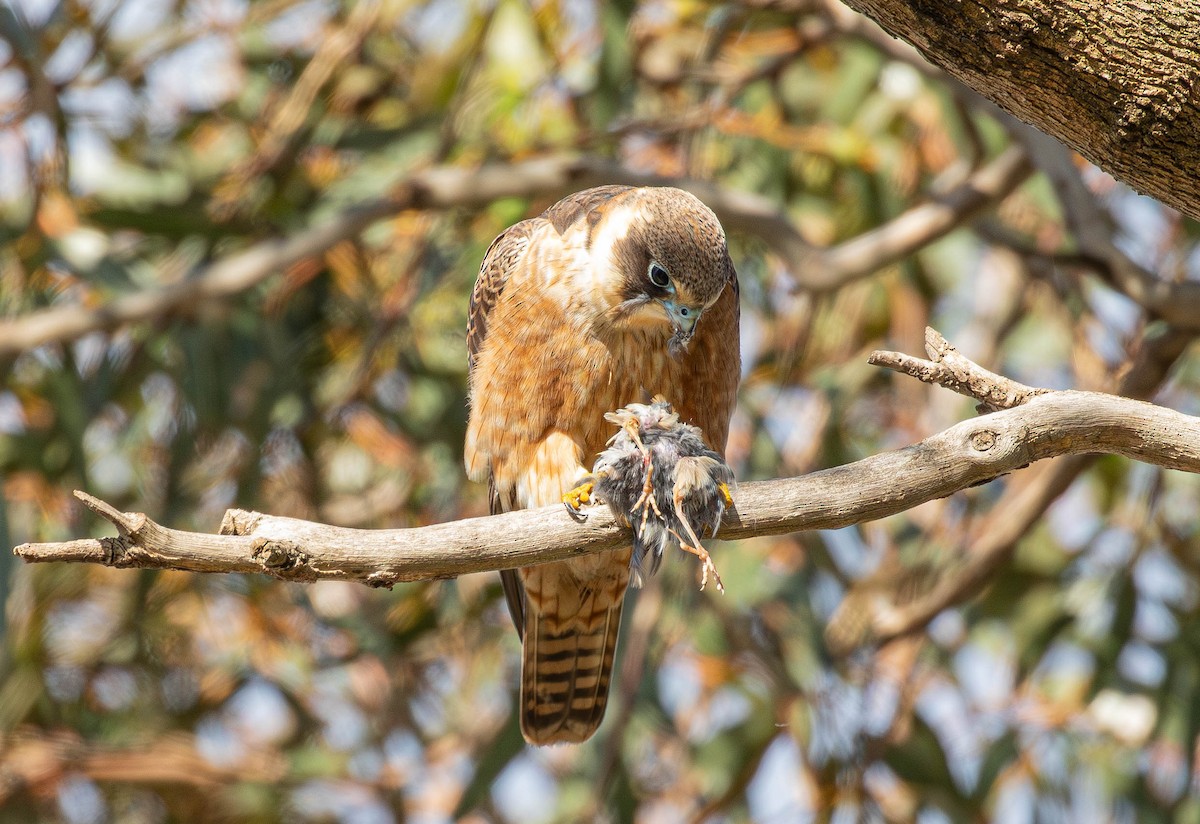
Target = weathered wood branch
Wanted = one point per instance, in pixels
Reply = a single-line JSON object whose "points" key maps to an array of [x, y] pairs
{"points": [[1115, 81], [949, 368], [997, 534], [1035, 424]]}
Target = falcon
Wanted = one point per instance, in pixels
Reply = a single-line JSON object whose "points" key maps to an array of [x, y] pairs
{"points": [[611, 296]]}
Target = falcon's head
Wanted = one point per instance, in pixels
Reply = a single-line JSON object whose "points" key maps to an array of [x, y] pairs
{"points": [[659, 260]]}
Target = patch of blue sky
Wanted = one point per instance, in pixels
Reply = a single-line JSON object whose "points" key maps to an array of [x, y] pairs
{"points": [[525, 791], [777, 794]]}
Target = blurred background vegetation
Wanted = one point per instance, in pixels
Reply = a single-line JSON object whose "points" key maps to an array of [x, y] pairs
{"points": [[142, 140]]}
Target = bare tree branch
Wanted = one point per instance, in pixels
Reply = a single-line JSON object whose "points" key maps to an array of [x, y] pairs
{"points": [[951, 369], [923, 224], [1040, 424], [1022, 505]]}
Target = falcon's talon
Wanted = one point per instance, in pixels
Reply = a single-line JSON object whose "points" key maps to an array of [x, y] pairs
{"points": [[725, 493], [575, 499]]}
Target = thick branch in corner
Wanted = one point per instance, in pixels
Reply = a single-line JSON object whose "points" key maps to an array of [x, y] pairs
{"points": [[1111, 80], [1040, 424]]}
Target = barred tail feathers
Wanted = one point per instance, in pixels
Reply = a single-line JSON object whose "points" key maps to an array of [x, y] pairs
{"points": [[565, 673]]}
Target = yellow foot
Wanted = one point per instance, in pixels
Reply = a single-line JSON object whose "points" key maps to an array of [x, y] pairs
{"points": [[575, 499], [726, 493]]}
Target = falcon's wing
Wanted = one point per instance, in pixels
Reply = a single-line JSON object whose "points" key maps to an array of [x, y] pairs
{"points": [[498, 261], [510, 579], [504, 253]]}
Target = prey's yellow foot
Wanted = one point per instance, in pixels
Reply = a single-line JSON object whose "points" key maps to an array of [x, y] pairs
{"points": [[726, 493], [575, 499]]}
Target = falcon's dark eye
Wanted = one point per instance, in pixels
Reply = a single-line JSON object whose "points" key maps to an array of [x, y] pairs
{"points": [[658, 275]]}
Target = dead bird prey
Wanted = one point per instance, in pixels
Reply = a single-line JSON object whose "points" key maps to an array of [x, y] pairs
{"points": [[659, 476]]}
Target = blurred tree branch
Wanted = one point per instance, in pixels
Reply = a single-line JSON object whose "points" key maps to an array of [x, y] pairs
{"points": [[1175, 302], [36, 760], [291, 114], [1111, 80], [1031, 424], [446, 187]]}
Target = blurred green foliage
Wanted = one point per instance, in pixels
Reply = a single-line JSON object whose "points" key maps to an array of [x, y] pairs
{"points": [[141, 140]]}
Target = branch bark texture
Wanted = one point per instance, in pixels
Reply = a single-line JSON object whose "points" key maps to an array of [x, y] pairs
{"points": [[1116, 81], [1038, 424]]}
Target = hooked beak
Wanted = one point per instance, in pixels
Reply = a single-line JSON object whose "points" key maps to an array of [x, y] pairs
{"points": [[683, 323]]}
